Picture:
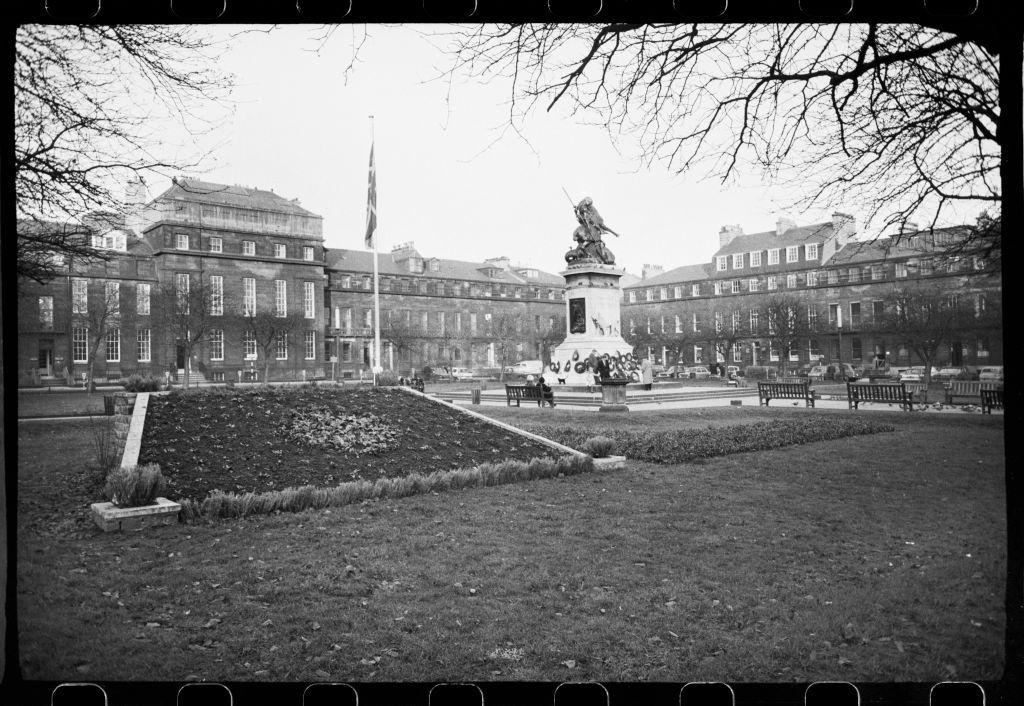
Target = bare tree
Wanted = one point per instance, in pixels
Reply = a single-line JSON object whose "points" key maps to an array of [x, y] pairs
{"points": [[402, 336], [99, 316], [782, 322], [550, 336], [503, 331], [91, 104], [272, 333], [651, 328], [187, 309], [894, 119]]}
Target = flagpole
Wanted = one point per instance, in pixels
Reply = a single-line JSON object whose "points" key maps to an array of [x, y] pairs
{"points": [[376, 288]]}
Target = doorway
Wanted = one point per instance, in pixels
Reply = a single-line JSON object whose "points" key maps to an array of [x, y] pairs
{"points": [[46, 357], [180, 356]]}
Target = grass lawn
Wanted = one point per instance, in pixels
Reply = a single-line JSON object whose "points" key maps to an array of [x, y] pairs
{"points": [[867, 558], [60, 404]]}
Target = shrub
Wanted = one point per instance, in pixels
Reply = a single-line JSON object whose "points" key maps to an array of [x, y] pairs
{"points": [[427, 373], [139, 383], [598, 446], [387, 378], [229, 505], [135, 486]]}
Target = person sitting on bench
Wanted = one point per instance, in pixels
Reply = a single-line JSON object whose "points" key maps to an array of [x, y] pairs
{"points": [[546, 393]]}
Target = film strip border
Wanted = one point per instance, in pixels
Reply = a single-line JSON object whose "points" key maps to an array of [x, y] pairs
{"points": [[824, 693]]}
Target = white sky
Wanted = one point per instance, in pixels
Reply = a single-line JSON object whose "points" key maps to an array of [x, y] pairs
{"points": [[446, 177]]}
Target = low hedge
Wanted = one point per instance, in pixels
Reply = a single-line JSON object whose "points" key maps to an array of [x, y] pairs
{"points": [[229, 505], [693, 444]]}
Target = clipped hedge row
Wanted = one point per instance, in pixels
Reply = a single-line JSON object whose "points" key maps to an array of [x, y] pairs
{"points": [[692, 444], [229, 505]]}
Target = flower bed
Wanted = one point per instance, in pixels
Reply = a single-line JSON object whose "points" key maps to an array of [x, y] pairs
{"points": [[265, 439], [692, 444]]}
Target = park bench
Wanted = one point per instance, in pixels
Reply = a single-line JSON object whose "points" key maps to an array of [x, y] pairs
{"points": [[990, 398], [967, 388], [523, 392], [883, 392], [767, 391], [919, 389]]}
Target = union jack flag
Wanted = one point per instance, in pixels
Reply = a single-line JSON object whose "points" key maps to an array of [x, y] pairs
{"points": [[371, 203]]}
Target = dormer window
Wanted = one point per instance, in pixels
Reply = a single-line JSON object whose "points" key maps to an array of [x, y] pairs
{"points": [[181, 241], [755, 259], [723, 263], [811, 251], [435, 266], [793, 253], [773, 256], [737, 261]]}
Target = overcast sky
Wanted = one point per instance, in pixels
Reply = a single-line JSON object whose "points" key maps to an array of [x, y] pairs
{"points": [[451, 176]]}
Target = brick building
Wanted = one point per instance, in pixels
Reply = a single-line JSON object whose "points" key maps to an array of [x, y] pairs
{"points": [[801, 294]]}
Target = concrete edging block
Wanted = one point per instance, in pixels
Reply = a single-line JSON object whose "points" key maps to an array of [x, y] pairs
{"points": [[117, 519], [133, 442]]}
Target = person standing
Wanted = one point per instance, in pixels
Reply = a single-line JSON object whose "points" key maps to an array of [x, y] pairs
{"points": [[647, 373]]}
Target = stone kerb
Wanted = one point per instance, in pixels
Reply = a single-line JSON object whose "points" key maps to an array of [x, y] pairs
{"points": [[132, 440]]}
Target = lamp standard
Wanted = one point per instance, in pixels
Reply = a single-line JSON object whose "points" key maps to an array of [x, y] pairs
{"points": [[839, 330]]}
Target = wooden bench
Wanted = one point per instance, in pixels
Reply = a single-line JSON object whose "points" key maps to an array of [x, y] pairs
{"points": [[767, 391], [884, 392], [916, 388], [990, 398], [970, 389], [523, 392]]}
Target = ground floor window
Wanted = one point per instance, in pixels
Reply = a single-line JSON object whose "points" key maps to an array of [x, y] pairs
{"points": [[281, 347], [217, 344], [773, 352], [249, 345], [143, 345], [858, 351], [698, 356], [983, 348], [794, 352], [346, 351], [80, 345], [114, 345], [218, 376], [737, 353], [310, 341]]}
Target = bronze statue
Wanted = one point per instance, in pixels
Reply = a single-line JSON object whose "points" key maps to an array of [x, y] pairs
{"points": [[589, 246]]}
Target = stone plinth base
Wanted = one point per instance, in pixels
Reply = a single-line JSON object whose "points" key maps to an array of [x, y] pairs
{"points": [[613, 396], [117, 519], [609, 463]]}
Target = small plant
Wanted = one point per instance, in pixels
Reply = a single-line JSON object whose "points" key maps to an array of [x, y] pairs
{"points": [[140, 383], [104, 444], [598, 446], [135, 486], [387, 378]]}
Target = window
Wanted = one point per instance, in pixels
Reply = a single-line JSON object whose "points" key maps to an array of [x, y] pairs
{"points": [[877, 310], [876, 272], [718, 287], [735, 286], [793, 253], [280, 297], [346, 281], [181, 288], [853, 275], [309, 300], [248, 247], [834, 315], [791, 281], [696, 322], [679, 324], [773, 282], [901, 269], [735, 321], [855, 315], [310, 344], [281, 346], [662, 323], [857, 348], [46, 312], [80, 345], [143, 345], [812, 278], [632, 297], [367, 283], [812, 315], [663, 293], [424, 321], [472, 322], [458, 321], [773, 352], [737, 261], [755, 285], [811, 251], [113, 298], [927, 267], [794, 352], [723, 263], [773, 256], [307, 252], [142, 298], [982, 348], [216, 295], [181, 241], [217, 344], [280, 250], [249, 345], [79, 296], [248, 296], [695, 290], [114, 345], [755, 320], [216, 245], [677, 292], [649, 295], [718, 322], [346, 351], [698, 355], [367, 318], [755, 259], [833, 276], [648, 324]]}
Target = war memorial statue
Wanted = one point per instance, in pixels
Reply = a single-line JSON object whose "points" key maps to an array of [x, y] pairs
{"points": [[589, 246]]}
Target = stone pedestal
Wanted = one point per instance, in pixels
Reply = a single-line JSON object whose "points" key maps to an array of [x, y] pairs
{"points": [[613, 396], [118, 519], [593, 327]]}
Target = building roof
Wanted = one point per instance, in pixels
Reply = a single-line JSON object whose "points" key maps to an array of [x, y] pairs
{"points": [[754, 242], [362, 261], [907, 245], [188, 189], [677, 275]]}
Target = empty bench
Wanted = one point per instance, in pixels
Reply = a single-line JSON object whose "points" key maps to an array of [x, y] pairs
{"points": [[967, 389], [990, 398], [523, 392], [886, 392], [767, 391]]}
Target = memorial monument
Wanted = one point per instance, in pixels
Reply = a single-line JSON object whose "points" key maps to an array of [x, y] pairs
{"points": [[594, 349]]}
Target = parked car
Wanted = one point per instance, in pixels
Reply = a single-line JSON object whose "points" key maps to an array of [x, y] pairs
{"points": [[804, 370], [526, 367], [462, 374], [732, 371], [947, 374], [991, 373], [837, 372], [915, 374], [697, 371], [671, 372]]}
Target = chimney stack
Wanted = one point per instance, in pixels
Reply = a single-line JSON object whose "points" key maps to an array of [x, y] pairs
{"points": [[727, 233], [909, 228], [843, 227], [783, 224], [651, 271]]}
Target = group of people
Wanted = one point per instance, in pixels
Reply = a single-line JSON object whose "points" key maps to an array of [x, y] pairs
{"points": [[415, 382], [546, 393]]}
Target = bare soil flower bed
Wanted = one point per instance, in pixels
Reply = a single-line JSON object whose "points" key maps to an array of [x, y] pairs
{"points": [[274, 438]]}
